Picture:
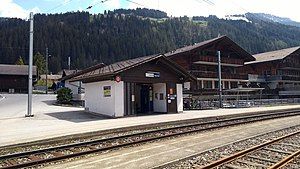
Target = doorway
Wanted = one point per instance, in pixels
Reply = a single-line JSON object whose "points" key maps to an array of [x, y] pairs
{"points": [[144, 98]]}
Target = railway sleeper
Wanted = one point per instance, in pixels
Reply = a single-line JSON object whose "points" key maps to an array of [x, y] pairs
{"points": [[251, 163], [278, 151], [263, 159]]}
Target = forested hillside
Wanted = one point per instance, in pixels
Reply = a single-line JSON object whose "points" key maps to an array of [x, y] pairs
{"points": [[121, 34]]}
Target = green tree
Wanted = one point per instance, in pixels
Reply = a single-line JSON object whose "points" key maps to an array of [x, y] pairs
{"points": [[64, 95], [20, 61], [40, 62]]}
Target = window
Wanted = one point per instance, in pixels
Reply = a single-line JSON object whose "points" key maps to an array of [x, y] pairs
{"points": [[279, 72], [267, 72], [217, 84], [199, 84], [226, 83], [207, 84], [234, 84]]}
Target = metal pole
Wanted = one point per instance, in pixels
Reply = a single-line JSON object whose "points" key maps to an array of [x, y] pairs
{"points": [[46, 70], [220, 79], [69, 62], [29, 111]]}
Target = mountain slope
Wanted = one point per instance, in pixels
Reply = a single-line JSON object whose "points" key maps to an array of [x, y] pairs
{"points": [[117, 35]]}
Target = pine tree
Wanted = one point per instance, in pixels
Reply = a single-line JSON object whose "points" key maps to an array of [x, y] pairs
{"points": [[40, 62], [20, 61]]}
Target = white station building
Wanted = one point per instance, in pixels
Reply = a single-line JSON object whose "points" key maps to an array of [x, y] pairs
{"points": [[145, 85]]}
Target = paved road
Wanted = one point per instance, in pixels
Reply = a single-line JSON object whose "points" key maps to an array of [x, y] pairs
{"points": [[15, 105]]}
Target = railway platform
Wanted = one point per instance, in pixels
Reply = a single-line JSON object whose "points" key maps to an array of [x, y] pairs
{"points": [[49, 124]]}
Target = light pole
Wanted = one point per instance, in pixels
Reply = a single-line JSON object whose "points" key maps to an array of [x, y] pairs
{"points": [[220, 79], [29, 110], [46, 70]]}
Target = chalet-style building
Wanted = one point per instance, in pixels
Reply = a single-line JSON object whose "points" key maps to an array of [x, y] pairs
{"points": [[201, 61], [51, 78], [64, 81], [278, 71], [137, 86], [14, 78], [75, 86]]}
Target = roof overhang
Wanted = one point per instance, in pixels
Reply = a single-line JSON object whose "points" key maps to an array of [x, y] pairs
{"points": [[214, 42], [73, 76], [89, 77]]}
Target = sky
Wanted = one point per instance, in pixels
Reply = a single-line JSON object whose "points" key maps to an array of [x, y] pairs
{"points": [[282, 8]]}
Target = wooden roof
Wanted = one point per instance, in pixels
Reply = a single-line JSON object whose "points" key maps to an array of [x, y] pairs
{"points": [[50, 77], [274, 55], [80, 72], [118, 67], [202, 45], [16, 70]]}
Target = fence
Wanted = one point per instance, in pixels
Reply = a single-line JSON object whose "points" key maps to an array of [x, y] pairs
{"points": [[194, 104]]}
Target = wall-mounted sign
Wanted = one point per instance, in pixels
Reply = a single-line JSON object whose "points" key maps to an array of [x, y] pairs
{"points": [[106, 91], [171, 91], [118, 79], [152, 74]]}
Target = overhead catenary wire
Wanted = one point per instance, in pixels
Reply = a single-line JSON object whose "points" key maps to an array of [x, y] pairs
{"points": [[91, 6], [135, 3], [60, 5], [209, 2], [103, 1]]}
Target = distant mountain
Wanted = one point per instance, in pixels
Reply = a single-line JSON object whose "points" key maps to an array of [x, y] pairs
{"points": [[272, 18], [237, 17]]}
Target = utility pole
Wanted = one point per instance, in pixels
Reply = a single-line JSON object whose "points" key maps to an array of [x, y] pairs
{"points": [[29, 111], [47, 70], [220, 79]]}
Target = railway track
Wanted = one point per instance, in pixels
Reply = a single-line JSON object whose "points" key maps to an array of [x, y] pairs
{"points": [[56, 153], [269, 155]]}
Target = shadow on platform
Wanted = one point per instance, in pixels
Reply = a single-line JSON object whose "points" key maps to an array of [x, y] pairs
{"points": [[76, 116], [49, 102]]}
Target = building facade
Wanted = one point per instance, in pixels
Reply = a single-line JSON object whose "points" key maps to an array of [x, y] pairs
{"points": [[278, 72], [14, 78], [201, 61]]}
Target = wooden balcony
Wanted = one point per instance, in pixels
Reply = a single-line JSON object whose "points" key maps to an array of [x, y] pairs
{"points": [[212, 60], [206, 74], [283, 77]]}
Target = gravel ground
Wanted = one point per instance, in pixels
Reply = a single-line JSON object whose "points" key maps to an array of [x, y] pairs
{"points": [[218, 153]]}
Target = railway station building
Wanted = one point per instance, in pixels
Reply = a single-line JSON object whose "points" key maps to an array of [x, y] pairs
{"points": [[144, 85]]}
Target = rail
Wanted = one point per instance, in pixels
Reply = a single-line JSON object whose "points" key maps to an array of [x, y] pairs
{"points": [[234, 160]]}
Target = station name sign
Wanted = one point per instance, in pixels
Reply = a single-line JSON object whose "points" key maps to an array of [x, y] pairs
{"points": [[152, 74]]}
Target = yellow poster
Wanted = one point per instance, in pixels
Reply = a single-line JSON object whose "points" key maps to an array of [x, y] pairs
{"points": [[107, 91]]}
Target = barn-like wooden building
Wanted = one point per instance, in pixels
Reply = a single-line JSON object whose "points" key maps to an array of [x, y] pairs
{"points": [[14, 78]]}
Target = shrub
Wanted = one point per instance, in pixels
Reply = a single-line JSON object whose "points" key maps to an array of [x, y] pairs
{"points": [[64, 95]]}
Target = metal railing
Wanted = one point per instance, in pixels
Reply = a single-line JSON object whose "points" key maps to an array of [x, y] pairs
{"points": [[208, 74], [194, 104]]}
